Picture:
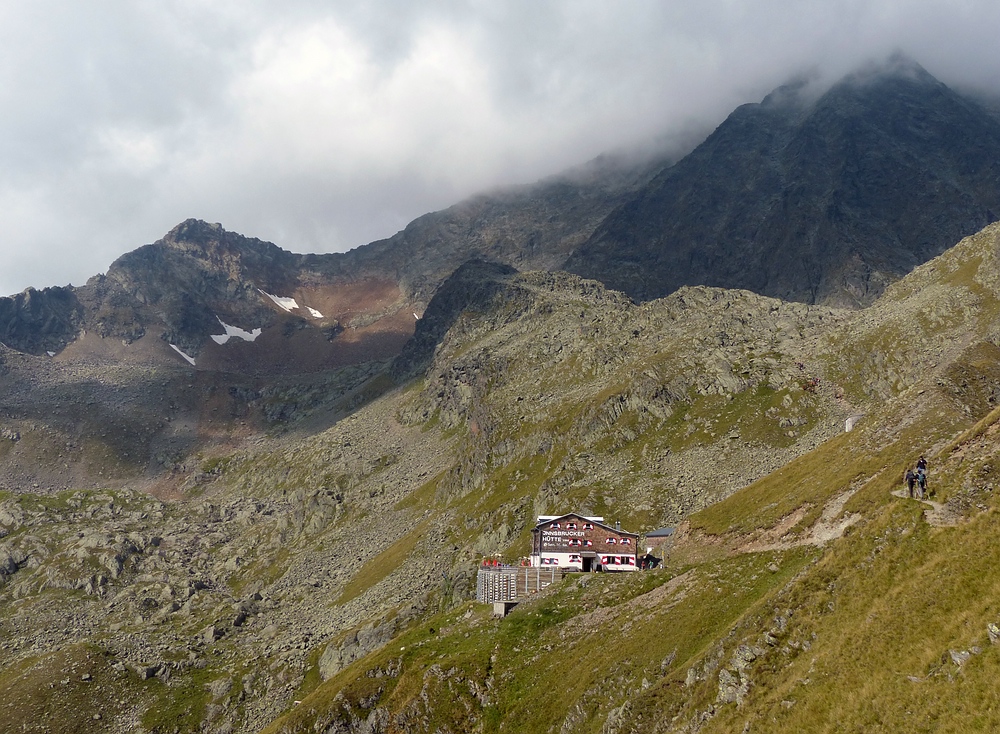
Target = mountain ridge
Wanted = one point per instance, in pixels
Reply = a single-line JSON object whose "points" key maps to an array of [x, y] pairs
{"points": [[805, 196], [826, 200]]}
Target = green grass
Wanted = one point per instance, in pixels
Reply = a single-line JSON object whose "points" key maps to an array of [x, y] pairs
{"points": [[881, 617], [180, 704], [862, 459], [260, 571], [977, 431], [811, 480], [423, 496], [49, 692], [533, 658]]}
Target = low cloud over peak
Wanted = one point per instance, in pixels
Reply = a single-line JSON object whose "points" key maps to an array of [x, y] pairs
{"points": [[322, 128]]}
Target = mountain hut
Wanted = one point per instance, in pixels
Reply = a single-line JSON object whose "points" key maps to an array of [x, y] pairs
{"points": [[579, 543]]}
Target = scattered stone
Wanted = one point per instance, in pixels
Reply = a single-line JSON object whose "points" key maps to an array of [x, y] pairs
{"points": [[960, 657], [219, 688]]}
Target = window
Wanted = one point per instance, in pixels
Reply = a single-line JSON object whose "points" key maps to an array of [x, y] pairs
{"points": [[588, 526], [611, 541], [575, 558], [571, 526], [626, 541], [588, 543], [556, 525]]}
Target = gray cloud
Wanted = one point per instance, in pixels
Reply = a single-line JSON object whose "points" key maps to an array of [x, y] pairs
{"points": [[322, 126]]}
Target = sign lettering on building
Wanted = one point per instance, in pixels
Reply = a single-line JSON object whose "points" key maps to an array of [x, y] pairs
{"points": [[562, 533]]}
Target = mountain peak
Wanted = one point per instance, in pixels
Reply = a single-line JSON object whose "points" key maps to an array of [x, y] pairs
{"points": [[824, 201], [194, 230], [897, 65]]}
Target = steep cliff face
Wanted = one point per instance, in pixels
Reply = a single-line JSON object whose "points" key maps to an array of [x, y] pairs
{"points": [[532, 227], [476, 286], [211, 293], [821, 201], [197, 274], [40, 321]]}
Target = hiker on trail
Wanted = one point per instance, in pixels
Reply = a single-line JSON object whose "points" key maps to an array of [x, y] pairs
{"points": [[910, 479], [922, 464], [922, 480]]}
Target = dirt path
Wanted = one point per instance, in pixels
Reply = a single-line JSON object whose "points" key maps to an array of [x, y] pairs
{"points": [[936, 514], [829, 527]]}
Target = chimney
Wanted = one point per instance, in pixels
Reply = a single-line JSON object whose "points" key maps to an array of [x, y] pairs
{"points": [[618, 525]]}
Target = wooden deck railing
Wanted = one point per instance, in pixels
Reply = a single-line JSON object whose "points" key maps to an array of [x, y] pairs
{"points": [[510, 583]]}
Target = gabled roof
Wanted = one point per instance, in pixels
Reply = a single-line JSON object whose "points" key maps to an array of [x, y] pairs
{"points": [[661, 533], [588, 518], [583, 518]]}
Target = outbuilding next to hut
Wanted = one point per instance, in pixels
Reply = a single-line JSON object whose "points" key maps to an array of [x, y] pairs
{"points": [[580, 543], [660, 540]]}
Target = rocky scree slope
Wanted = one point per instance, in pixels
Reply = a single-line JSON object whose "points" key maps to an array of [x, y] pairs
{"points": [[292, 557], [898, 613], [572, 394], [336, 320], [89, 420]]}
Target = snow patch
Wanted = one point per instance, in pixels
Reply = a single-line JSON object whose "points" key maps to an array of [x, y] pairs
{"points": [[51, 354], [290, 303], [180, 352], [286, 303], [232, 331]]}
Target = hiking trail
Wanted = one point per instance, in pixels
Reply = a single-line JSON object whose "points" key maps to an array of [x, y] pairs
{"points": [[936, 514]]}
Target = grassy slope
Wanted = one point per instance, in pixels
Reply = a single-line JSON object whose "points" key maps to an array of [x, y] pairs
{"points": [[526, 673], [883, 612]]}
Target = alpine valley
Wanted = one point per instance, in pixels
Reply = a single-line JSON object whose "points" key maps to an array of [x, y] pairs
{"points": [[243, 489]]}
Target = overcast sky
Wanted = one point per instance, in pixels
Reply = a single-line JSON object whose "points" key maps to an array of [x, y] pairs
{"points": [[323, 125]]}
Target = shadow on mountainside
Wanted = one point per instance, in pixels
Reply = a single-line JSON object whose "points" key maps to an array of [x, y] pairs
{"points": [[475, 285]]}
